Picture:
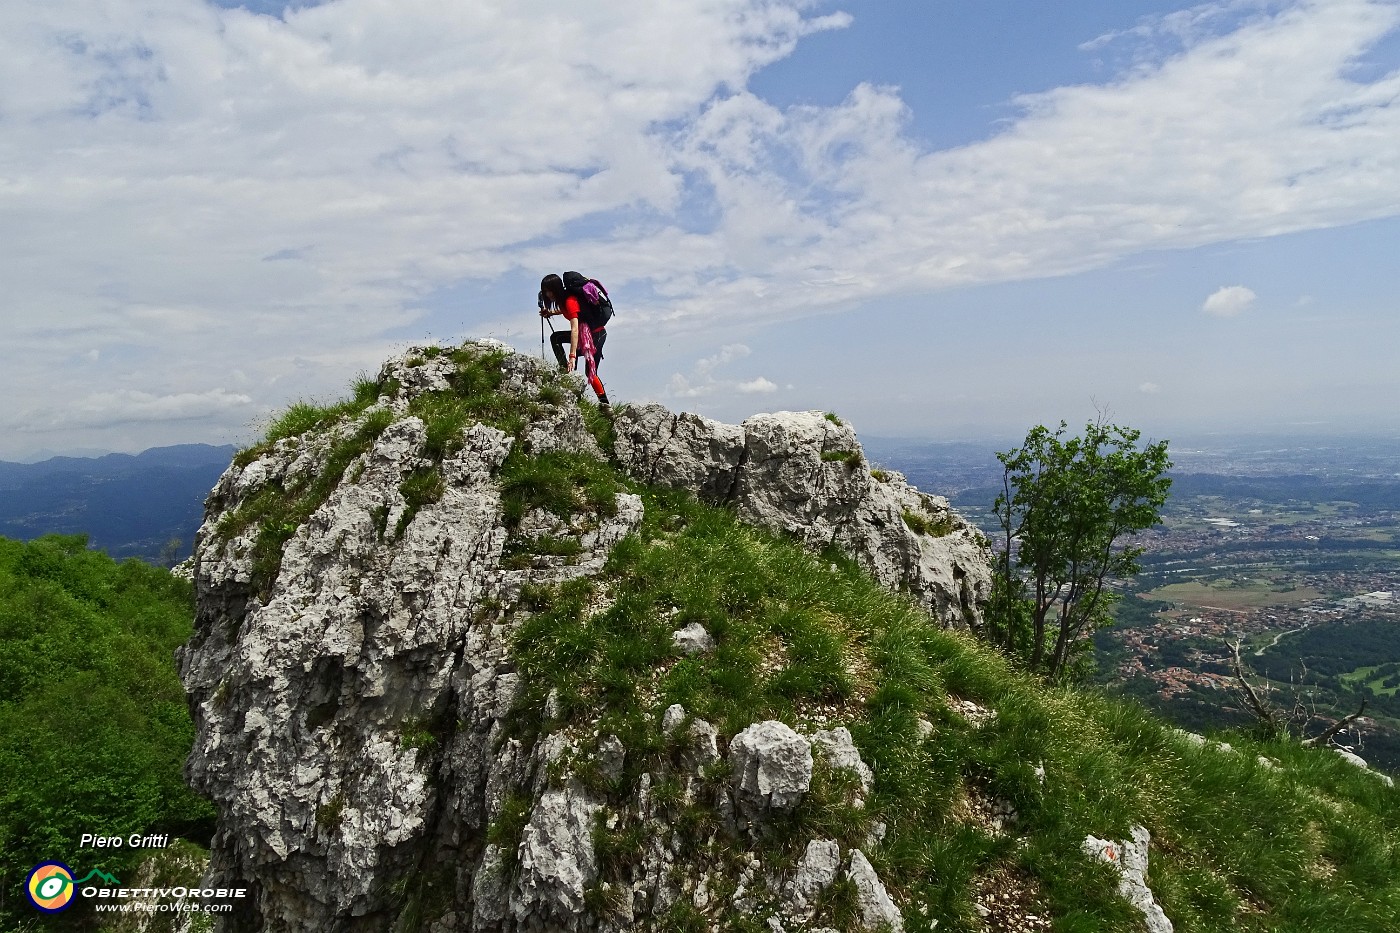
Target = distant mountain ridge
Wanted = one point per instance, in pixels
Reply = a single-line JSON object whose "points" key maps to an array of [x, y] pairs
{"points": [[129, 505]]}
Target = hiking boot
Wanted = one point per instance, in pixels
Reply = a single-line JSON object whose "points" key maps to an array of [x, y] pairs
{"points": [[604, 407]]}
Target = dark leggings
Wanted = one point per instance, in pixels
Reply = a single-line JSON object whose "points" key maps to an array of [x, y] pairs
{"points": [[559, 341]]}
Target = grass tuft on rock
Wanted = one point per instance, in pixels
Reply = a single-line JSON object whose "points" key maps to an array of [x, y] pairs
{"points": [[560, 482]]}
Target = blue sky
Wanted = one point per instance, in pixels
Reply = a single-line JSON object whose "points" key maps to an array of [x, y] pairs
{"points": [[940, 219]]}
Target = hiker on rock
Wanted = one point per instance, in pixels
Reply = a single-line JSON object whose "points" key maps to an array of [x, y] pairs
{"points": [[585, 305]]}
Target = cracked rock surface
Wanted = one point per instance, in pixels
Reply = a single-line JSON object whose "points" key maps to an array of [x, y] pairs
{"points": [[352, 684], [1130, 858], [349, 709], [805, 474]]}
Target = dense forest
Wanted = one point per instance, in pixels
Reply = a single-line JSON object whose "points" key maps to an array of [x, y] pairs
{"points": [[94, 729]]}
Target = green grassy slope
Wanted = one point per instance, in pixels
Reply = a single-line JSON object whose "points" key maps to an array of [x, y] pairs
{"points": [[811, 640]]}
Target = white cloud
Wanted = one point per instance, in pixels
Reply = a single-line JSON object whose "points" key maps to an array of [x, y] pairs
{"points": [[1228, 301], [209, 188], [1260, 131], [1149, 388], [727, 354], [218, 186], [680, 387], [1182, 26], [702, 381], [755, 386], [105, 409]]}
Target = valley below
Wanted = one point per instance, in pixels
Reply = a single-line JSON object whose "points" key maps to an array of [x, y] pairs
{"points": [[1290, 546]]}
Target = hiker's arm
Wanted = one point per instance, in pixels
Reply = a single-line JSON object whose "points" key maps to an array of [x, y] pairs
{"points": [[573, 340]]}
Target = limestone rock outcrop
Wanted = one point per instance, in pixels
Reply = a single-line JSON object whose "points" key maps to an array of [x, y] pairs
{"points": [[772, 767], [805, 474], [352, 680], [349, 700], [877, 909], [1129, 857]]}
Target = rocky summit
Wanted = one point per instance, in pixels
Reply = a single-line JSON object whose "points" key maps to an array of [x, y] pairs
{"points": [[380, 752], [469, 656]]}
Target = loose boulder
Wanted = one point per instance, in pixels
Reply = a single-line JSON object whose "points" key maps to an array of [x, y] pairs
{"points": [[772, 767]]}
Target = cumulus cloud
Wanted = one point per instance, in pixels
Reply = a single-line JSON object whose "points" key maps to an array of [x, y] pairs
{"points": [[1228, 301], [215, 185], [757, 386], [1180, 26], [1235, 135], [679, 387], [727, 354], [702, 380]]}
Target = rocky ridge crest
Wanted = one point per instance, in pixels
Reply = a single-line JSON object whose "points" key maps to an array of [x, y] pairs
{"points": [[804, 474], [352, 675]]}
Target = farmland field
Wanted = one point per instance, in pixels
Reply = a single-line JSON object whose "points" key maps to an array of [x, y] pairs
{"points": [[1234, 596]]}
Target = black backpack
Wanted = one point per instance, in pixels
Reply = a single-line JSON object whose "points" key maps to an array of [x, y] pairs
{"points": [[595, 307]]}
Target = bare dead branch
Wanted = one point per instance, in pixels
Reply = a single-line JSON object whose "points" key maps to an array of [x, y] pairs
{"points": [[1336, 727], [1262, 710]]}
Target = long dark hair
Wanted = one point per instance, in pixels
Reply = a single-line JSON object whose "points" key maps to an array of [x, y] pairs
{"points": [[553, 285]]}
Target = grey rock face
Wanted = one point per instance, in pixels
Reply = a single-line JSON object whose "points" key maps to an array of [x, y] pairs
{"points": [[877, 908], [352, 688], [805, 474], [672, 718], [349, 704], [556, 859], [704, 745], [839, 751], [772, 767], [815, 872], [1352, 758], [682, 451], [1130, 858], [612, 757]]}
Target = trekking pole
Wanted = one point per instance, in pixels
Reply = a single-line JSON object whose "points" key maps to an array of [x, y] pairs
{"points": [[552, 332]]}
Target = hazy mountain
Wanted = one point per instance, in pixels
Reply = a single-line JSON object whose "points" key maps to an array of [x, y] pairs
{"points": [[128, 505]]}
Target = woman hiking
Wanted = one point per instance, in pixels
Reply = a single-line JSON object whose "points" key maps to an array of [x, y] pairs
{"points": [[586, 333]]}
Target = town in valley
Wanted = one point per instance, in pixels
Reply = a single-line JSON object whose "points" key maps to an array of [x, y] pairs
{"points": [[1288, 546]]}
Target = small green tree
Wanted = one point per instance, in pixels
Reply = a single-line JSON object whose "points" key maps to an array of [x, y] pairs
{"points": [[1064, 506]]}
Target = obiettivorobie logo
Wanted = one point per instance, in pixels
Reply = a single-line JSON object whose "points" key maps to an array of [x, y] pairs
{"points": [[51, 885]]}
